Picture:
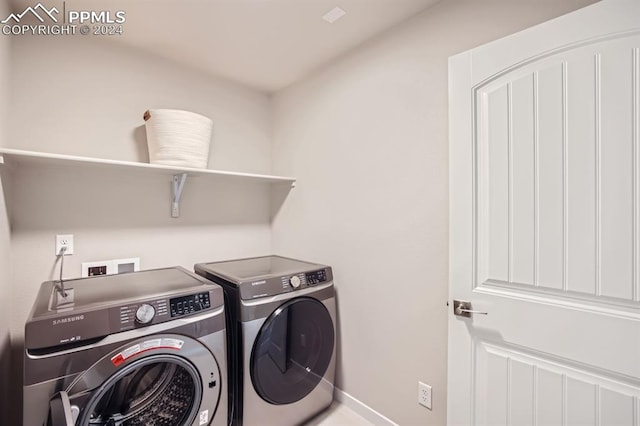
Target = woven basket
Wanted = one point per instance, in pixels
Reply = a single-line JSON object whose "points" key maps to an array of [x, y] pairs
{"points": [[178, 138]]}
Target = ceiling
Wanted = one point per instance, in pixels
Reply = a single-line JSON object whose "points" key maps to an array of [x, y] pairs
{"points": [[263, 44]]}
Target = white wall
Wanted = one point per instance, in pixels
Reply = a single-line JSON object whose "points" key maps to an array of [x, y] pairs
{"points": [[5, 264], [85, 96], [79, 96], [367, 139]]}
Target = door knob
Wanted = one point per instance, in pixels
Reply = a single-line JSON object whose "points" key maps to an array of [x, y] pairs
{"points": [[463, 309]]}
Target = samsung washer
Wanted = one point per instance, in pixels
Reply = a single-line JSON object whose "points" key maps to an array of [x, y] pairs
{"points": [[143, 348], [281, 329]]}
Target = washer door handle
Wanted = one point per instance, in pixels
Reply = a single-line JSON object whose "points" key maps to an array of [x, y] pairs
{"points": [[60, 413]]}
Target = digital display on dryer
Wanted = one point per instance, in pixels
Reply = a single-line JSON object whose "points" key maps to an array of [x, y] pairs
{"points": [[189, 304], [316, 277]]}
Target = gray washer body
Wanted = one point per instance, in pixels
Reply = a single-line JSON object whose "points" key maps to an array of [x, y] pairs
{"points": [[79, 349]]}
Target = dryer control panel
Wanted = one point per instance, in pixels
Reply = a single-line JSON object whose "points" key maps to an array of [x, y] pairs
{"points": [[316, 277], [265, 287]]}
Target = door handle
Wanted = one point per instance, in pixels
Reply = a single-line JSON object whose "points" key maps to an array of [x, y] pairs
{"points": [[463, 309], [61, 412]]}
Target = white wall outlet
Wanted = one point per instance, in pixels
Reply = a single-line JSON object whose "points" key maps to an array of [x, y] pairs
{"points": [[424, 395], [64, 240]]}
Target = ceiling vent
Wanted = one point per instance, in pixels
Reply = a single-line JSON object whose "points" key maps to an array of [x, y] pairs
{"points": [[333, 15]]}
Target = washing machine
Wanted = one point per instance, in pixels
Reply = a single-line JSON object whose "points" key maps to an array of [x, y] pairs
{"points": [[141, 348], [281, 330]]}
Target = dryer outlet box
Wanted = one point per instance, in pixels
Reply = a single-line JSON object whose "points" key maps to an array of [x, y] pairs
{"points": [[97, 270], [110, 267], [101, 267], [126, 265]]}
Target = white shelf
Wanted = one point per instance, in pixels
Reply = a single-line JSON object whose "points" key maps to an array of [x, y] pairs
{"points": [[15, 156], [179, 174]]}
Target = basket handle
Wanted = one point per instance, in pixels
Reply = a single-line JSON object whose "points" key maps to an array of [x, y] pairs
{"points": [[147, 115]]}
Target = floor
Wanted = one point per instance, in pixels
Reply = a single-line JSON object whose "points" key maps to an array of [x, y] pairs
{"points": [[338, 415]]}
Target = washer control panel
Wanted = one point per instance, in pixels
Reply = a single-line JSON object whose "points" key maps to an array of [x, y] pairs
{"points": [[160, 310], [186, 305], [145, 313]]}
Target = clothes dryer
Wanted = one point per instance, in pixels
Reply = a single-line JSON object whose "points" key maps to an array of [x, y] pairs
{"points": [[143, 348], [281, 329]]}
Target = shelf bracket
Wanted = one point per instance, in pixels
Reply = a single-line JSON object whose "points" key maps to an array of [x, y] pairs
{"points": [[178, 186]]}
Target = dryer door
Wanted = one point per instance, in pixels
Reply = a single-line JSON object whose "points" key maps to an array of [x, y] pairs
{"points": [[292, 351], [164, 380]]}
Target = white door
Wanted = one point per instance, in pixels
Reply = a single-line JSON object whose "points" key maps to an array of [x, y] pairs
{"points": [[545, 224]]}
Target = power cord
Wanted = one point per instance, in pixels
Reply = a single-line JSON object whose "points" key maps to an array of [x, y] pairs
{"points": [[62, 290]]}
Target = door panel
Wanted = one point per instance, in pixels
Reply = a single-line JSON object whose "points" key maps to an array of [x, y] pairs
{"points": [[550, 176], [530, 389], [545, 228], [556, 158]]}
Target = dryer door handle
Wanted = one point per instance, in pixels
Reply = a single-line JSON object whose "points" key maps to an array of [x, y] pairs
{"points": [[60, 411]]}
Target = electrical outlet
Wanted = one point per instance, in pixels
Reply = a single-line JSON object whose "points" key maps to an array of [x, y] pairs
{"points": [[64, 240], [424, 395]]}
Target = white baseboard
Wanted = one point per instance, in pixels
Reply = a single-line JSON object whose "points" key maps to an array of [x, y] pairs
{"points": [[362, 409]]}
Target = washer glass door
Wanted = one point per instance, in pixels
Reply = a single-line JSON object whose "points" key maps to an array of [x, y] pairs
{"points": [[159, 390], [292, 351]]}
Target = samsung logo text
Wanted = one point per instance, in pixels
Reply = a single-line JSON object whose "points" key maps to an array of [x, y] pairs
{"points": [[67, 320]]}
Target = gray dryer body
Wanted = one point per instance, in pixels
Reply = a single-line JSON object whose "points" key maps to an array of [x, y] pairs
{"points": [[281, 328]]}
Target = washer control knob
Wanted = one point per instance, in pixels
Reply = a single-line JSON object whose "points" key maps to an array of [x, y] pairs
{"points": [[145, 313], [294, 281]]}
